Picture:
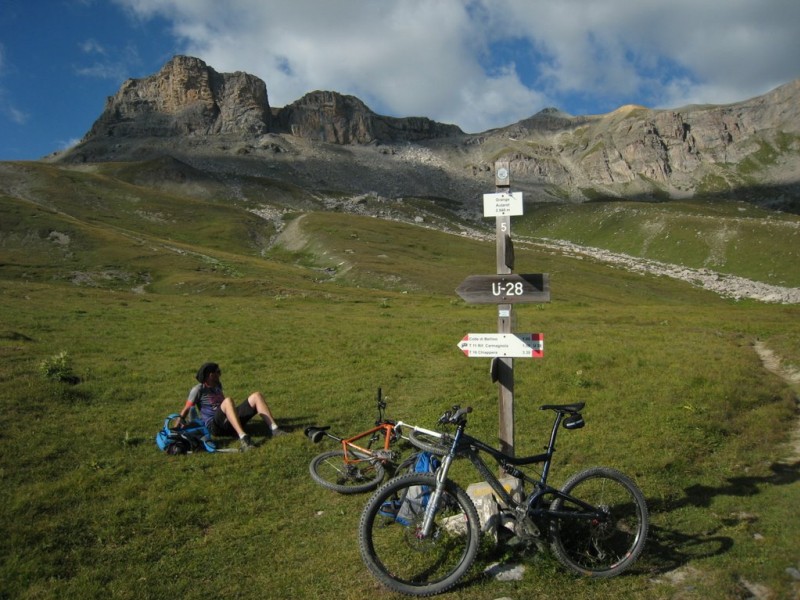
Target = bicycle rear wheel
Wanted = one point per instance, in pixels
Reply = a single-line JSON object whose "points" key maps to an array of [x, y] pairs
{"points": [[392, 545], [330, 470], [606, 546]]}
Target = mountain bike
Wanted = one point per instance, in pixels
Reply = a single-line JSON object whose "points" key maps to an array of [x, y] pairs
{"points": [[358, 468], [596, 523]]}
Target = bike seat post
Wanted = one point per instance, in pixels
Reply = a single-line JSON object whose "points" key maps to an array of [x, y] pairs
{"points": [[551, 446]]}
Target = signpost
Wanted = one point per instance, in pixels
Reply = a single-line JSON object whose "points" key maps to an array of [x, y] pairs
{"points": [[504, 289], [503, 366]]}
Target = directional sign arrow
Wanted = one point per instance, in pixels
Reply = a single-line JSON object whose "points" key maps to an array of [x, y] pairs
{"points": [[505, 289], [511, 345]]}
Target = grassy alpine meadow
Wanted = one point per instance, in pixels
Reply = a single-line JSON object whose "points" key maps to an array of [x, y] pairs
{"points": [[676, 397]]}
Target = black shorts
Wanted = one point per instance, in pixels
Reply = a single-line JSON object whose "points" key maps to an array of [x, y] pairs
{"points": [[221, 426]]}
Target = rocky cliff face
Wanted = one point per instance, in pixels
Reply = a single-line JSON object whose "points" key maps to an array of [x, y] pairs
{"points": [[634, 150], [186, 97], [334, 141], [337, 119]]}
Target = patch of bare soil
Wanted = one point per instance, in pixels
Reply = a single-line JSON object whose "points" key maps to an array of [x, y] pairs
{"points": [[791, 375], [292, 237]]}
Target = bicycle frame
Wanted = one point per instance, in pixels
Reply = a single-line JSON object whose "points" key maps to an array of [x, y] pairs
{"points": [[466, 445], [392, 430], [349, 444]]}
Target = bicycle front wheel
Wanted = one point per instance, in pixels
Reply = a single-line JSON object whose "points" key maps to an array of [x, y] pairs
{"points": [[604, 526], [394, 548], [330, 470]]}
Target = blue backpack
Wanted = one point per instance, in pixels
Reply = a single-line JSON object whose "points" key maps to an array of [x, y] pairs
{"points": [[405, 510], [183, 440]]}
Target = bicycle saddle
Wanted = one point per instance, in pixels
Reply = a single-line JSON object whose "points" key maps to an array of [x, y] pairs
{"points": [[564, 408], [315, 434]]}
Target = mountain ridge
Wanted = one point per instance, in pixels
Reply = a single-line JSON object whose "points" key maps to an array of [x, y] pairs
{"points": [[334, 142]]}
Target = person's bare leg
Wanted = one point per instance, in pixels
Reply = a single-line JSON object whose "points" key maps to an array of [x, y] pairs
{"points": [[229, 409], [256, 400]]}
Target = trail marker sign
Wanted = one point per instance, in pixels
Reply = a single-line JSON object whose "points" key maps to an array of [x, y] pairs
{"points": [[502, 204], [509, 345], [510, 288]]}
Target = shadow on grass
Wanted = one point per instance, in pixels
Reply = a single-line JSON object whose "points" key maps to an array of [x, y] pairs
{"points": [[257, 427], [702, 495], [668, 549]]}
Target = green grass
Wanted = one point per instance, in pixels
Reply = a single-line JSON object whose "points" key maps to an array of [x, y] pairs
{"points": [[676, 397], [728, 237]]}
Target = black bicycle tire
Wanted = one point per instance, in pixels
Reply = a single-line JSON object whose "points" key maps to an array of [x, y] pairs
{"points": [[376, 564], [426, 442], [560, 529], [338, 456]]}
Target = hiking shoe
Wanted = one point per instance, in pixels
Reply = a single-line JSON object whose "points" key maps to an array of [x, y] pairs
{"points": [[246, 444]]}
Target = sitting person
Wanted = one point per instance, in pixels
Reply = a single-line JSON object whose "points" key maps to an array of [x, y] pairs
{"points": [[218, 411]]}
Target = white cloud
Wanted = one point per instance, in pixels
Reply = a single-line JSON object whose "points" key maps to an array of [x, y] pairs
{"points": [[11, 112], [431, 57], [115, 66], [7, 107], [667, 52], [91, 46]]}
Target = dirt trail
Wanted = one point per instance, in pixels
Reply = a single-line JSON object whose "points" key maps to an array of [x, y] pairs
{"points": [[791, 375]]}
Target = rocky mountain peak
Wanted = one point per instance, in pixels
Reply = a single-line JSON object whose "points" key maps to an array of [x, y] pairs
{"points": [[328, 117], [338, 119], [186, 97]]}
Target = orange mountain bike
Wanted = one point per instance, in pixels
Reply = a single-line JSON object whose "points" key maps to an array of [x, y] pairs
{"points": [[356, 466]]}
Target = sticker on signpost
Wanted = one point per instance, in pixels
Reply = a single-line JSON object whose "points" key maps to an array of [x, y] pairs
{"points": [[502, 204]]}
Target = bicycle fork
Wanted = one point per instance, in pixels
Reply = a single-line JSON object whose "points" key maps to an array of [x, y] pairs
{"points": [[436, 497]]}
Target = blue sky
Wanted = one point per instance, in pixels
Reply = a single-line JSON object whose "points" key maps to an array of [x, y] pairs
{"points": [[476, 63]]}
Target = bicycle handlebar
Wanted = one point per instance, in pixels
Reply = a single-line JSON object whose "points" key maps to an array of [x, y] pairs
{"points": [[455, 415]]}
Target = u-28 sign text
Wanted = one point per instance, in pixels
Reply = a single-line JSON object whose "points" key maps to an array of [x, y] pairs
{"points": [[505, 289]]}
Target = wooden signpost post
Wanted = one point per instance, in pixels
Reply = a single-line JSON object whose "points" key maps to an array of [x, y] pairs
{"points": [[504, 289]]}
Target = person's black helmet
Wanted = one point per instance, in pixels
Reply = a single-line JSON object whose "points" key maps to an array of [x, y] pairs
{"points": [[203, 372]]}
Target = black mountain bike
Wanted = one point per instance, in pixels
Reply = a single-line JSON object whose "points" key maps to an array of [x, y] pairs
{"points": [[596, 524]]}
